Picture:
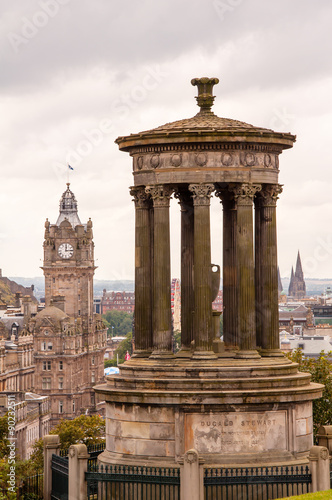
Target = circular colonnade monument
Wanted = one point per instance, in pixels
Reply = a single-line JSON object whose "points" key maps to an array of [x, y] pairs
{"points": [[240, 401]]}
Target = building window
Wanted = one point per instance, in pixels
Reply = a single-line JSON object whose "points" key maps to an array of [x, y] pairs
{"points": [[60, 365], [79, 312], [79, 297], [47, 365], [93, 360], [60, 382], [49, 346], [43, 346], [60, 406], [73, 406], [46, 383], [92, 398], [53, 280], [93, 378]]}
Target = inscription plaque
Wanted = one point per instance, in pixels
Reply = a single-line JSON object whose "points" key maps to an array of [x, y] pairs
{"points": [[236, 432]]}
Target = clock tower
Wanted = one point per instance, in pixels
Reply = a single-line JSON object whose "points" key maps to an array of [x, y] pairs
{"points": [[69, 261]]}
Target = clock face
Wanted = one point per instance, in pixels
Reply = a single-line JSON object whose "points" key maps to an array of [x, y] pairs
{"points": [[65, 250]]}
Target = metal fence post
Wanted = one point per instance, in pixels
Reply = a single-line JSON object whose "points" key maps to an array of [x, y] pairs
{"points": [[51, 445], [191, 476], [320, 468], [78, 465]]}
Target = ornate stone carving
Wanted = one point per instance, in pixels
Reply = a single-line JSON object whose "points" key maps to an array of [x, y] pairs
{"points": [[176, 160], [72, 452], [244, 193], [248, 159], [201, 193], [140, 161], [227, 159], [269, 195], [267, 160], [201, 159], [160, 194], [141, 198], [191, 456], [155, 161]]}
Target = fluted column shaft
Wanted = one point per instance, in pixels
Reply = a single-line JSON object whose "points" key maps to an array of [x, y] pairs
{"points": [[230, 329], [162, 319], [243, 195], [267, 315], [143, 271], [187, 267], [202, 269]]}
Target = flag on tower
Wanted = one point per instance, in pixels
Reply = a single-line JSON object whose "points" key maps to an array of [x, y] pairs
{"points": [[70, 168]]}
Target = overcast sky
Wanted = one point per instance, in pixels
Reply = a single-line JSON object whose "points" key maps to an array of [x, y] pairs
{"points": [[76, 74]]}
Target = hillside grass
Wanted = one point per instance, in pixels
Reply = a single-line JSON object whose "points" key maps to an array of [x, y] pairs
{"points": [[320, 495]]}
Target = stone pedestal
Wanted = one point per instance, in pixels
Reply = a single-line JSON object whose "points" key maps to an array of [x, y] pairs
{"points": [[232, 411]]}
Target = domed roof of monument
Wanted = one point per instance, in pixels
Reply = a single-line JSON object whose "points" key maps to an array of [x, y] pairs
{"points": [[68, 208], [52, 315], [205, 126]]}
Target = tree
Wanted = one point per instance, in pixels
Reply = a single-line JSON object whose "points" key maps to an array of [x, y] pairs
{"points": [[119, 323], [82, 429], [320, 370]]}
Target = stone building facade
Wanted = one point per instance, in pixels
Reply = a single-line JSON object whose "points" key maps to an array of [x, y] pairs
{"points": [[69, 339], [118, 301]]}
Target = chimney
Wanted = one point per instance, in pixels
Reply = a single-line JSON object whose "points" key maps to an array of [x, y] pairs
{"points": [[26, 303], [18, 296], [58, 301]]}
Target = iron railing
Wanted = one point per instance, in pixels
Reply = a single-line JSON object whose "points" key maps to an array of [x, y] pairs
{"points": [[59, 478], [265, 483], [32, 487], [124, 482]]}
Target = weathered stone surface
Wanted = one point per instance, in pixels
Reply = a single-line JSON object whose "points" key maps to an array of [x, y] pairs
{"points": [[236, 432]]}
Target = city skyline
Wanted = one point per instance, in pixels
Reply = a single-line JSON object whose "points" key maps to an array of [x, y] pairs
{"points": [[76, 75]]}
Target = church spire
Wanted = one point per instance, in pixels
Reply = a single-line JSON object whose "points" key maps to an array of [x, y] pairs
{"points": [[68, 208], [298, 269]]}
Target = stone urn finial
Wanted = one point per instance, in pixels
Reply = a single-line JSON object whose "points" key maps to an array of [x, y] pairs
{"points": [[205, 87]]}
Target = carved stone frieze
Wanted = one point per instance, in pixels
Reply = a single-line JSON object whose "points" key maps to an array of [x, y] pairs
{"points": [[232, 159]]}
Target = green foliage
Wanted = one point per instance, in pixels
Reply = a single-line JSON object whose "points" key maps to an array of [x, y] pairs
{"points": [[109, 362], [119, 323], [125, 345], [3, 436], [82, 429], [177, 340], [320, 370]]}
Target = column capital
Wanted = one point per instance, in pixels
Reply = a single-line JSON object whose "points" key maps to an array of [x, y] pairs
{"points": [[244, 193], [141, 198], [201, 193], [269, 195], [183, 195], [160, 194]]}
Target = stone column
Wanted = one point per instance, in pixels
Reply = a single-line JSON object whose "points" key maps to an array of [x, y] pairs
{"points": [[230, 328], [202, 271], [162, 319], [319, 462], [266, 271], [51, 446], [143, 272], [243, 196], [77, 466], [191, 476], [187, 270]]}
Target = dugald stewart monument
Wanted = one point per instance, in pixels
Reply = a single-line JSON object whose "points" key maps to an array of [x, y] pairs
{"points": [[240, 401]]}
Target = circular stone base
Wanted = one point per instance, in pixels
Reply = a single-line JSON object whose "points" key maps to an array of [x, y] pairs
{"points": [[232, 411]]}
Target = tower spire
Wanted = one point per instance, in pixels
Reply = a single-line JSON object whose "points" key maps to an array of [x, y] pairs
{"points": [[68, 208], [298, 269]]}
